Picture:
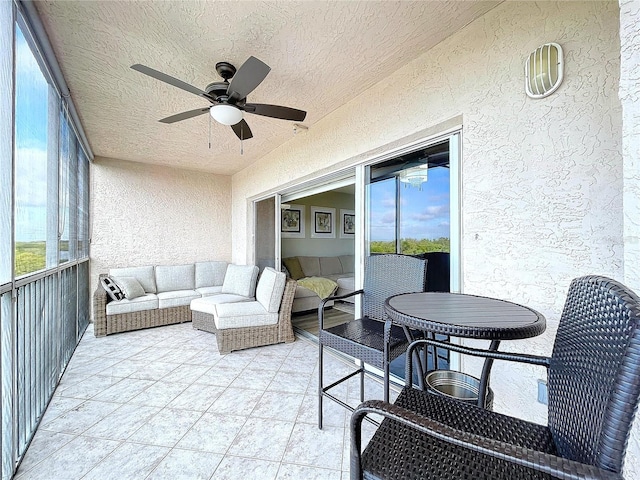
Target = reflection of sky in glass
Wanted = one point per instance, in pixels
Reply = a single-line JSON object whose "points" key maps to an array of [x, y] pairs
{"points": [[32, 92], [423, 213]]}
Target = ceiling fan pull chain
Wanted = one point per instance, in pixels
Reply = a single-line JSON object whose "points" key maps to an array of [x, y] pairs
{"points": [[209, 132]]}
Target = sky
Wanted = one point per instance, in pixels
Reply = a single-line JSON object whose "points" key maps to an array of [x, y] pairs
{"points": [[424, 213]]}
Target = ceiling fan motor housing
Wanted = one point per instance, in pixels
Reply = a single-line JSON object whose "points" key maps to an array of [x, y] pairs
{"points": [[216, 89], [225, 70]]}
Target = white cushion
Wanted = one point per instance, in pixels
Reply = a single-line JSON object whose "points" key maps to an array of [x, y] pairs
{"points": [[208, 291], [347, 283], [270, 288], [330, 266], [210, 274], [176, 298], [129, 286], [175, 277], [208, 304], [146, 302], [144, 275], [310, 266], [240, 280], [245, 314]]}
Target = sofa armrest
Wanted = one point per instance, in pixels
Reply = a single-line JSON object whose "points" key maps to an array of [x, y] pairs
{"points": [[100, 300], [285, 329]]}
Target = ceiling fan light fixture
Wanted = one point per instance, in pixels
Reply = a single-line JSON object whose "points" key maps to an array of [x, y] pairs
{"points": [[415, 176], [226, 114]]}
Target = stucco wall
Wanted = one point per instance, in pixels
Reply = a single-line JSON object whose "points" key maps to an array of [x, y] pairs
{"points": [[542, 180], [151, 215]]}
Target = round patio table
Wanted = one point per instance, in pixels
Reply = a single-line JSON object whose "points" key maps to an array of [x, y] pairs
{"points": [[468, 316]]}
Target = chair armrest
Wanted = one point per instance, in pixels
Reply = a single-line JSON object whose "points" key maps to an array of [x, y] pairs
{"points": [[285, 328], [100, 300], [526, 457], [336, 297], [340, 297], [476, 352]]}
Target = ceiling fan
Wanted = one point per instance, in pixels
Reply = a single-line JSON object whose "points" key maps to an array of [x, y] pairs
{"points": [[229, 98]]}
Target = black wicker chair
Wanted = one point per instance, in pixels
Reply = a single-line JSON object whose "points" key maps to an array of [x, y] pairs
{"points": [[594, 385], [371, 339]]}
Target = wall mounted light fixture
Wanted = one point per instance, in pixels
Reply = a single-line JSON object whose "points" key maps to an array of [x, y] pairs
{"points": [[543, 70]]}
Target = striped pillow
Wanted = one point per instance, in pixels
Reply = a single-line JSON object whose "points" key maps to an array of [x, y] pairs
{"points": [[112, 289]]}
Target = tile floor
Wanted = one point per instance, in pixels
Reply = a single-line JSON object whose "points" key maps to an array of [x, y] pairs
{"points": [[163, 403]]}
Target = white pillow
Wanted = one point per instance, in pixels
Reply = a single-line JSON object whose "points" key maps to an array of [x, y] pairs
{"points": [[130, 286], [240, 280]]}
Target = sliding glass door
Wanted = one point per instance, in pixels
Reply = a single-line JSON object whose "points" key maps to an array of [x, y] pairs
{"points": [[412, 208], [267, 240]]}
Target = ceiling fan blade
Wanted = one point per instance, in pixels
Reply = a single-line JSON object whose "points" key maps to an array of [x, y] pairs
{"points": [[242, 130], [184, 115], [275, 111], [163, 77], [250, 74]]}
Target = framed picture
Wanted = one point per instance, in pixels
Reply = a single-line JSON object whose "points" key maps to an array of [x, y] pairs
{"points": [[292, 222], [347, 223], [323, 222]]}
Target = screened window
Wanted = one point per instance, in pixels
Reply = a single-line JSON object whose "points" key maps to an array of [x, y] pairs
{"points": [[44, 229], [83, 206], [68, 191], [6, 139], [36, 154]]}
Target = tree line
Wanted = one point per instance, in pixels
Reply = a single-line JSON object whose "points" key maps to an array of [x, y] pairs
{"points": [[411, 246]]}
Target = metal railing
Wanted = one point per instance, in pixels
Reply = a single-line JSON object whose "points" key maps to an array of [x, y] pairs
{"points": [[39, 336]]}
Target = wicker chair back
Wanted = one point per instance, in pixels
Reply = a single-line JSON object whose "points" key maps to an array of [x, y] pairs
{"points": [[594, 373], [388, 275]]}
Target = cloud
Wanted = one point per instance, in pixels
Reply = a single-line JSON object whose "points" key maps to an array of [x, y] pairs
{"points": [[430, 213], [389, 217], [31, 177]]}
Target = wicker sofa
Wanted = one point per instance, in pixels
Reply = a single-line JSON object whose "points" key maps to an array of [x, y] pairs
{"points": [[339, 269], [168, 292]]}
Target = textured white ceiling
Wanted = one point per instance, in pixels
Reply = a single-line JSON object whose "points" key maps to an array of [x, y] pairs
{"points": [[321, 55]]}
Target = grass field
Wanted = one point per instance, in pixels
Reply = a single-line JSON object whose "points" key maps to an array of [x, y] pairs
{"points": [[30, 257]]}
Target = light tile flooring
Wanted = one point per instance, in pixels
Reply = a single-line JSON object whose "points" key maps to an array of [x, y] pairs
{"points": [[163, 403]]}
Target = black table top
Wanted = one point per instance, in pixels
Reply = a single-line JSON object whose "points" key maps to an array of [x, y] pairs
{"points": [[462, 315]]}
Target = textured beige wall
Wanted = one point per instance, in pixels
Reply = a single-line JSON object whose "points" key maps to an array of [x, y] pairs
{"points": [[542, 180], [150, 215]]}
